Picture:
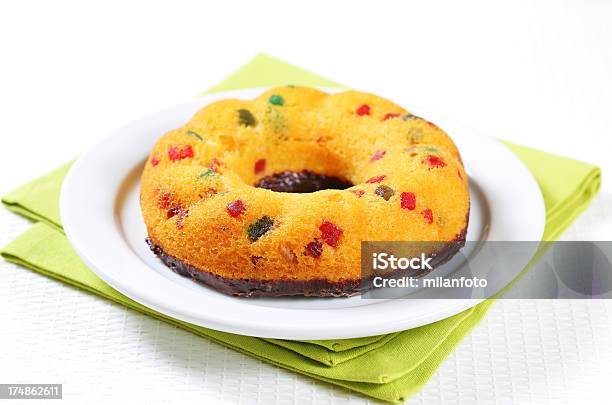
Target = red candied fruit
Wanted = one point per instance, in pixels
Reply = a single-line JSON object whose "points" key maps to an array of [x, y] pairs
{"points": [[408, 201], [154, 161], [174, 210], [180, 152], [314, 249], [376, 179], [434, 161], [164, 201], [431, 124], [388, 116], [363, 109], [330, 233], [358, 193], [255, 260], [236, 208], [428, 215], [378, 155], [260, 166]]}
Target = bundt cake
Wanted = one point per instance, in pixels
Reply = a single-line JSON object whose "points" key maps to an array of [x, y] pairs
{"points": [[273, 196]]}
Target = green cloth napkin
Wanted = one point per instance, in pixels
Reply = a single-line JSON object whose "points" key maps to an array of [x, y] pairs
{"points": [[390, 367]]}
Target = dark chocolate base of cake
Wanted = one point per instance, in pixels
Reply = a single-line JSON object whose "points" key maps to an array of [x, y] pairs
{"points": [[257, 288], [275, 288]]}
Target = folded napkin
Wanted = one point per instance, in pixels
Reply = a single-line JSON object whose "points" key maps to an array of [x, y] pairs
{"points": [[389, 367]]}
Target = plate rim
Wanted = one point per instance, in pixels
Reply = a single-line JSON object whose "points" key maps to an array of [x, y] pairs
{"points": [[69, 196]]}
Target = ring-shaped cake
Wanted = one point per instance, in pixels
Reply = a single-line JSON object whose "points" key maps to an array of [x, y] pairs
{"points": [[273, 196]]}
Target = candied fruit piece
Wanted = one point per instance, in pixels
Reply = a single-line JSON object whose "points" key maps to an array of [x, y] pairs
{"points": [[236, 208], [214, 165], [408, 201], [415, 135], [260, 166], [314, 249], [434, 161], [378, 155], [209, 192], [195, 135], [164, 201], [154, 161], [410, 117], [173, 210], [255, 260], [259, 228], [363, 109], [276, 100], [287, 253], [358, 193], [376, 179], [428, 215], [245, 118], [388, 116], [208, 173], [276, 120], [412, 151], [330, 233], [385, 192], [180, 152]]}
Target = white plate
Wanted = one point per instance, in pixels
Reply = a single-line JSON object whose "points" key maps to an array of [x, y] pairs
{"points": [[101, 217]]}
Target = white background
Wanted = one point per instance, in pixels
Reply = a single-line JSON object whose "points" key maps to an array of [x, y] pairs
{"points": [[537, 73]]}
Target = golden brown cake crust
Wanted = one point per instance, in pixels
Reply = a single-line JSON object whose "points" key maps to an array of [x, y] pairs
{"points": [[404, 176]]}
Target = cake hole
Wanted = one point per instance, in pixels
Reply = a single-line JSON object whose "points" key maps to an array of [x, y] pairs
{"points": [[304, 181]]}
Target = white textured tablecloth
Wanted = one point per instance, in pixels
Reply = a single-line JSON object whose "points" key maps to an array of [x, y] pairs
{"points": [[525, 351], [536, 73]]}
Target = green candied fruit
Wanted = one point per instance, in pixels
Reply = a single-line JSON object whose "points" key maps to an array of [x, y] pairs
{"points": [[410, 117], [276, 120], [208, 173], [423, 149], [431, 149], [276, 100], [195, 135], [246, 118], [259, 228]]}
